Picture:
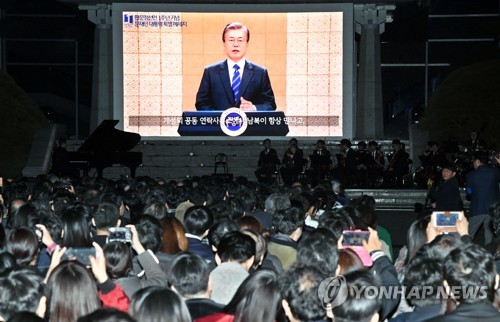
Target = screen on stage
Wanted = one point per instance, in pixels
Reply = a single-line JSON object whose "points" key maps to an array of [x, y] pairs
{"points": [[161, 52]]}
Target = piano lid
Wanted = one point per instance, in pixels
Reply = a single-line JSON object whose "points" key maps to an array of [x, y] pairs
{"points": [[106, 138]]}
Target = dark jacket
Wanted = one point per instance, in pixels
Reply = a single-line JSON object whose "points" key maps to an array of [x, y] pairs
{"points": [[483, 183]]}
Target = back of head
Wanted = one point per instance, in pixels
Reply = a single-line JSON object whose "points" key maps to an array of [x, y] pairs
{"points": [[198, 219], [482, 156], [156, 209], [158, 304], [359, 306], [20, 290], [335, 221], [25, 316], [422, 281], [299, 288], [286, 221], [257, 298], [23, 244], [189, 275], [442, 245], [319, 249], [349, 261], [471, 269], [106, 315], [221, 228], [150, 232], [71, 293], [276, 201], [250, 222], [106, 215], [118, 259], [236, 246], [76, 228]]}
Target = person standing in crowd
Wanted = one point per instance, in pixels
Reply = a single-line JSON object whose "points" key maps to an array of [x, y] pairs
{"points": [[446, 196], [267, 165], [483, 191]]}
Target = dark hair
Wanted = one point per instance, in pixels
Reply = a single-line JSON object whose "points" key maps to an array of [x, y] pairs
{"points": [[156, 209], [76, 228], [118, 259], [25, 316], [7, 261], [470, 266], [189, 275], [54, 225], [260, 246], [286, 221], [257, 298], [158, 304], [247, 199], [150, 232], [71, 292], [367, 216], [106, 215], [346, 142], [250, 222], [23, 244], [423, 273], [221, 228], [236, 246], [24, 216], [107, 314], [416, 237], [336, 221], [235, 26], [356, 307], [482, 157], [442, 245], [349, 261], [299, 287], [321, 141], [20, 290], [198, 219], [319, 249]]}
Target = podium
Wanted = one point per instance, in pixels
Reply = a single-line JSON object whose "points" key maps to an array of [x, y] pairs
{"points": [[207, 123]]}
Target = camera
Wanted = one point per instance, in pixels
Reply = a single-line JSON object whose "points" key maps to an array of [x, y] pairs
{"points": [[120, 234], [79, 254], [446, 218]]}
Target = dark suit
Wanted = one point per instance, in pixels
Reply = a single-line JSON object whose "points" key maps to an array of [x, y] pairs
{"points": [[447, 196], [195, 246], [215, 92], [483, 183]]}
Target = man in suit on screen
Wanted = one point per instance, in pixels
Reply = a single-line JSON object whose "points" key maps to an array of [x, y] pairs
{"points": [[235, 82]]}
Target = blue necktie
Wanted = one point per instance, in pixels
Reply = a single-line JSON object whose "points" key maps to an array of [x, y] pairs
{"points": [[235, 84]]}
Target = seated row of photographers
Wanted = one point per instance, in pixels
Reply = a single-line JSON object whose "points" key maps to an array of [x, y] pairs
{"points": [[206, 250]]}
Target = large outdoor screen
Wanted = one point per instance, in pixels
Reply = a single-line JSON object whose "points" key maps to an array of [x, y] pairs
{"points": [[161, 51]]}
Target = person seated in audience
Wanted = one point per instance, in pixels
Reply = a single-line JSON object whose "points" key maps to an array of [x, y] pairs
{"points": [[349, 261], [267, 165], [359, 306], [423, 279], [20, 290], [104, 217], [119, 265], [256, 299], [197, 222], [159, 304], [321, 163], [363, 161], [299, 292], [235, 256], [433, 159], [190, 278], [150, 234], [23, 243], [287, 226], [346, 170], [319, 249], [470, 272]]}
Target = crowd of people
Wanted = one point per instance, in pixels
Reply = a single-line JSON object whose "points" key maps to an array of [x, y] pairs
{"points": [[205, 249]]}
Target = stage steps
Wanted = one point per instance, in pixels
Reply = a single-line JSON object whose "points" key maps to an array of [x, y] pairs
{"points": [[396, 199]]}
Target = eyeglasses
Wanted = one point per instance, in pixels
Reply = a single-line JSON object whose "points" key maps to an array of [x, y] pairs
{"points": [[233, 41]]}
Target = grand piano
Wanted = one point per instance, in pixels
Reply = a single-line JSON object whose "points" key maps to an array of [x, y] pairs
{"points": [[107, 146]]}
